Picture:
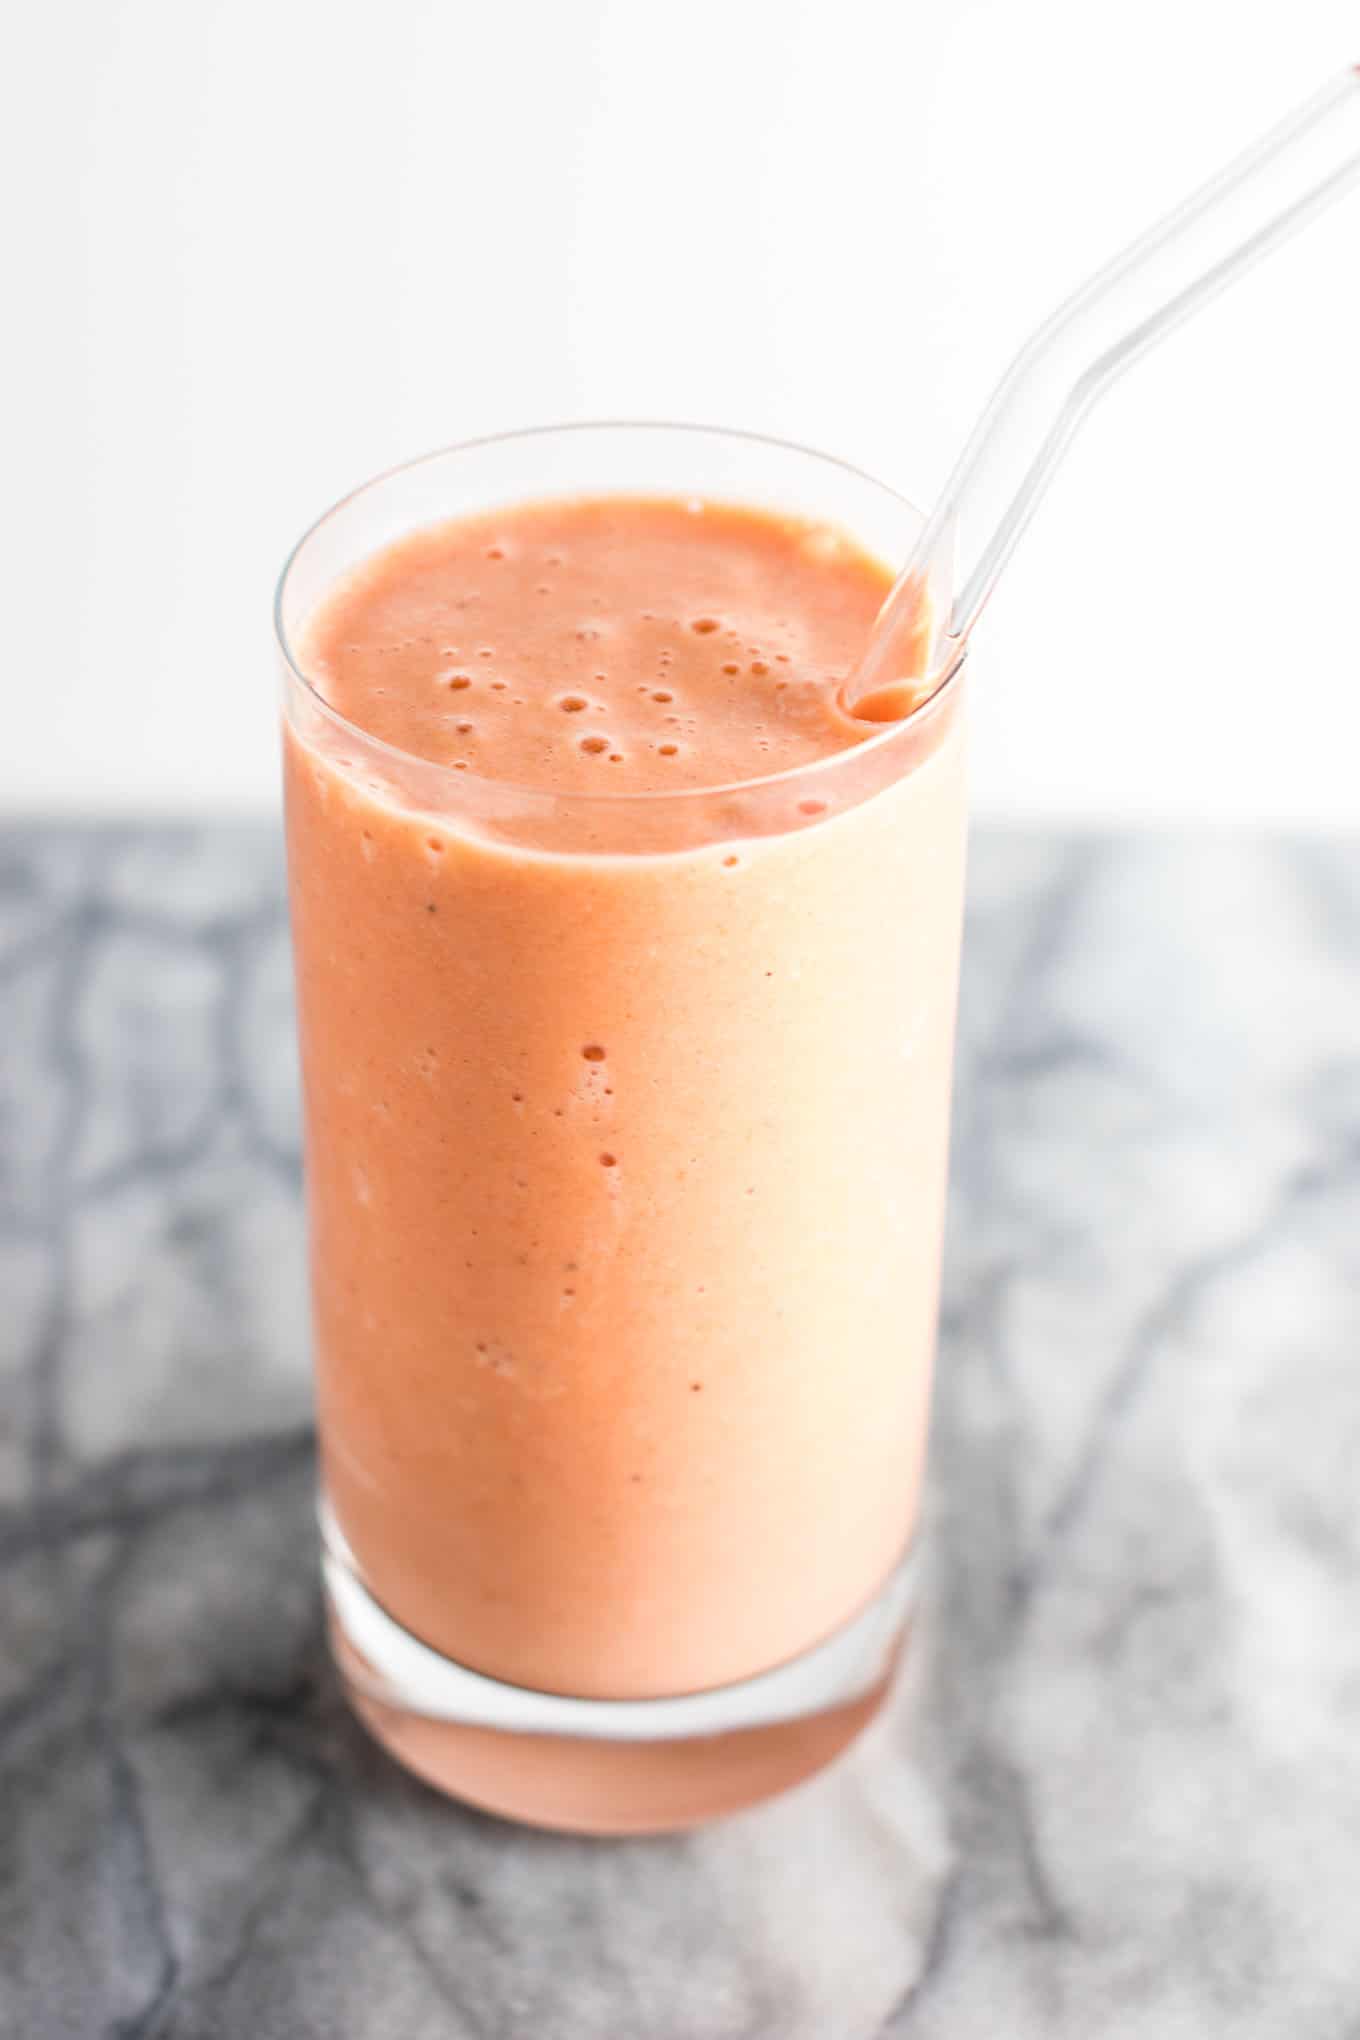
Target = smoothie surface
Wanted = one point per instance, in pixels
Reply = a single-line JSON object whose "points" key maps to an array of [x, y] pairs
{"points": [[604, 645]]}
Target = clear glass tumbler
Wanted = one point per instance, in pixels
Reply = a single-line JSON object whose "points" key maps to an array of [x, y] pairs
{"points": [[626, 1128]]}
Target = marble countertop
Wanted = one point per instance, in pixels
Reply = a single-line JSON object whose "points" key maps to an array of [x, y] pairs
{"points": [[1119, 1792]]}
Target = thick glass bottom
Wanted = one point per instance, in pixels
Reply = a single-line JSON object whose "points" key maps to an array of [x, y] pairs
{"points": [[609, 1766]]}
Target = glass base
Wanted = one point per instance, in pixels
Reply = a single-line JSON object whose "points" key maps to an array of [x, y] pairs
{"points": [[609, 1766]]}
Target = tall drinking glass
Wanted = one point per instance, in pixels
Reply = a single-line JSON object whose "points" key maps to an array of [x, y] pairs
{"points": [[626, 1126]]}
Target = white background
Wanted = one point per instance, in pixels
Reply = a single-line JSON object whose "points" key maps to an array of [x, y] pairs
{"points": [[258, 251]]}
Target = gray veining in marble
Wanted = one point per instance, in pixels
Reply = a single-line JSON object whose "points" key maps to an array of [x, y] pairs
{"points": [[1120, 1794]]}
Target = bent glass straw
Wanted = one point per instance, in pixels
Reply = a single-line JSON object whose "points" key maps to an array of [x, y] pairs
{"points": [[1215, 236]]}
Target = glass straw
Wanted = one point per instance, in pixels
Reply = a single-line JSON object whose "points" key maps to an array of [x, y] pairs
{"points": [[1213, 237]]}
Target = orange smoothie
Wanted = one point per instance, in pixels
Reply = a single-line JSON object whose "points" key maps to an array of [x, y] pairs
{"points": [[626, 970]]}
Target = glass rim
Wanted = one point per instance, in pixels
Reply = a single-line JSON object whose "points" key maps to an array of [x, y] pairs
{"points": [[889, 733]]}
